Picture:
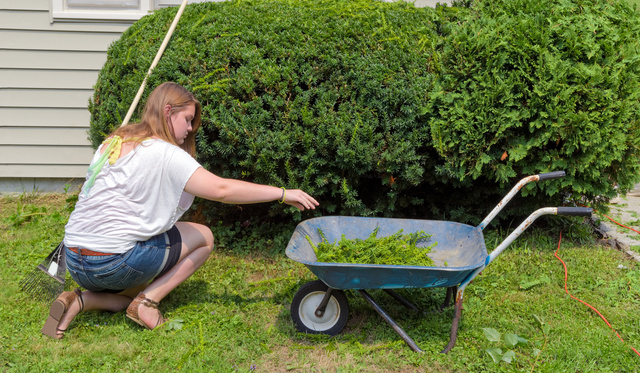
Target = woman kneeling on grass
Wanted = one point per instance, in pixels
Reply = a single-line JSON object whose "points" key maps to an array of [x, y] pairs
{"points": [[123, 241]]}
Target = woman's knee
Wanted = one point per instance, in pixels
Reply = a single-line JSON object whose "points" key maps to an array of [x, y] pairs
{"points": [[196, 235], [207, 235], [205, 247]]}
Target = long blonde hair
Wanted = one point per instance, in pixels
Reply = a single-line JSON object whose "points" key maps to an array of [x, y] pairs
{"points": [[154, 122]]}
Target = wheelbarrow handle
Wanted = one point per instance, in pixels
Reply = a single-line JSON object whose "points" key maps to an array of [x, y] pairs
{"points": [[516, 189], [568, 211], [575, 211], [551, 175]]}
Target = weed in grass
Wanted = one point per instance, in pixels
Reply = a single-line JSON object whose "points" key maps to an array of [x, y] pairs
{"points": [[510, 341], [516, 345]]}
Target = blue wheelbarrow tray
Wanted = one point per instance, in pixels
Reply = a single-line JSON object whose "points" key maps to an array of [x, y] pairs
{"points": [[460, 249]]}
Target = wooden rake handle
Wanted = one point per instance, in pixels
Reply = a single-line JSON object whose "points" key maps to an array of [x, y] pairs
{"points": [[163, 46]]}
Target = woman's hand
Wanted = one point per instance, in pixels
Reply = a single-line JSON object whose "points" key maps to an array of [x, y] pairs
{"points": [[299, 199]]}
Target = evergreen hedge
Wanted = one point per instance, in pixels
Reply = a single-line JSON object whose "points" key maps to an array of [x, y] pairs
{"points": [[536, 86], [319, 95], [384, 109]]}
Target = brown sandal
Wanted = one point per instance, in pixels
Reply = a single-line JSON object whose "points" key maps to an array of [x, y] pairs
{"points": [[132, 310], [58, 310]]}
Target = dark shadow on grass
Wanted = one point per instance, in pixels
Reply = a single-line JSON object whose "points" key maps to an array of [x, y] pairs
{"points": [[365, 325]]}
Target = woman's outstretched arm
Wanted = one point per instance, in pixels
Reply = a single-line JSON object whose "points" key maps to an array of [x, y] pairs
{"points": [[206, 185]]}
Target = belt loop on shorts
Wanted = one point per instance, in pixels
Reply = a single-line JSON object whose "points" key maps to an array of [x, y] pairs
{"points": [[87, 252]]}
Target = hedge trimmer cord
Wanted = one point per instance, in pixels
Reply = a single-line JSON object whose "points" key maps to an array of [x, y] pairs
{"points": [[581, 301], [622, 225]]}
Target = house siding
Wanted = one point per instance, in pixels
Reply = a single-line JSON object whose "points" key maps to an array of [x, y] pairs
{"points": [[47, 71]]}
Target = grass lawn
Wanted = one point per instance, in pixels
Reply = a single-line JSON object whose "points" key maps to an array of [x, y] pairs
{"points": [[233, 315], [634, 2]]}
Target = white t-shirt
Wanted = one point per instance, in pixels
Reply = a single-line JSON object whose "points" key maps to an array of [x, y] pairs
{"points": [[140, 196]]}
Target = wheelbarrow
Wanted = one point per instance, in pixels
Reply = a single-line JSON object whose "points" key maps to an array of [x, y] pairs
{"points": [[321, 307]]}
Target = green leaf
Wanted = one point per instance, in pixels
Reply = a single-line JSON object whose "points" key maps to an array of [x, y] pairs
{"points": [[495, 353], [510, 340], [508, 356], [538, 320], [526, 285], [492, 335], [174, 324]]}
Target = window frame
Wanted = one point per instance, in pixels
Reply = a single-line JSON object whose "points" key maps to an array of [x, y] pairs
{"points": [[60, 12]]}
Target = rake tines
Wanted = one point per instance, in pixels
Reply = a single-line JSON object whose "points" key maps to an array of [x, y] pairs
{"points": [[46, 281]]}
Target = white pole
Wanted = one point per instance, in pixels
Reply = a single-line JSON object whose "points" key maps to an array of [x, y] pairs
{"points": [[154, 63]]}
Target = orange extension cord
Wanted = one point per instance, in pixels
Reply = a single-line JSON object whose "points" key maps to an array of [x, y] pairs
{"points": [[610, 218], [581, 301], [622, 225]]}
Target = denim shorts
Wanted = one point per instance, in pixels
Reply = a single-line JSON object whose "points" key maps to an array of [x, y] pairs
{"points": [[115, 273]]}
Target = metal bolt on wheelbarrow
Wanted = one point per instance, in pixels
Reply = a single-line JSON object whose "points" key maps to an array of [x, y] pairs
{"points": [[322, 307]]}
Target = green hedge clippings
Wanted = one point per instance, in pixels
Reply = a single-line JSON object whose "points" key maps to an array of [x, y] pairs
{"points": [[396, 249]]}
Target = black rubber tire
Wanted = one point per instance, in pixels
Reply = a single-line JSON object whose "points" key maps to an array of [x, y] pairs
{"points": [[307, 300]]}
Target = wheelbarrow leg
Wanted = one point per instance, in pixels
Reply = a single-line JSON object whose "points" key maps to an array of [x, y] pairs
{"points": [[447, 300], [400, 299], [454, 324], [390, 321]]}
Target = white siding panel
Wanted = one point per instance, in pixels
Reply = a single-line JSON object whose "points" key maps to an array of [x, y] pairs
{"points": [[45, 155], [40, 20], [55, 79], [67, 60], [41, 171], [57, 40], [43, 136], [45, 117], [25, 4], [48, 98]]}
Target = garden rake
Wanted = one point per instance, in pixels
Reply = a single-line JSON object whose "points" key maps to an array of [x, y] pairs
{"points": [[46, 282]]}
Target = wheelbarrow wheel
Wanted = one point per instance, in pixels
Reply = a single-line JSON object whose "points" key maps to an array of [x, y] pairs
{"points": [[305, 304]]}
